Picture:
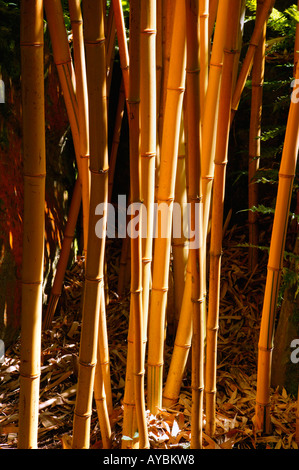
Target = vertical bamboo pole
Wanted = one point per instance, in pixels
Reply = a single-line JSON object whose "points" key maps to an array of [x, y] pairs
{"points": [[33, 120], [180, 243], [148, 140], [82, 100], [275, 263], [64, 65], [102, 384], [122, 43], [211, 110], [254, 142], [96, 79], [194, 90], [116, 137], [213, 5], [204, 44], [136, 240], [262, 18], [169, 151], [230, 48]]}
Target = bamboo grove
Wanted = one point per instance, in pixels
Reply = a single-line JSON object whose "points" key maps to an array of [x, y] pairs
{"points": [[182, 82]]}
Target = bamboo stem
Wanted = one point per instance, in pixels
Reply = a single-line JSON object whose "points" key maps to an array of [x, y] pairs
{"points": [[33, 120], [169, 152], [136, 240], [102, 382], [254, 142], [82, 100], [148, 143], [230, 49], [275, 263], [261, 20], [64, 255], [94, 277]]}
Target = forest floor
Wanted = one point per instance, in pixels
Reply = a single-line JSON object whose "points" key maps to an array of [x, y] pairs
{"points": [[240, 312]]}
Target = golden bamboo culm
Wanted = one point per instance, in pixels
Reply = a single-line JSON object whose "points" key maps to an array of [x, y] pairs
{"points": [[165, 197], [34, 161], [222, 138], [94, 272], [255, 142], [275, 262]]}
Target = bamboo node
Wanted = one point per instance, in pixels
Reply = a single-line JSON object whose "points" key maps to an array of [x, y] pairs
{"points": [[148, 154], [83, 415], [178, 89], [197, 301], [217, 65], [95, 43], [102, 171], [95, 280], [87, 364], [283, 175], [149, 31], [182, 346]]}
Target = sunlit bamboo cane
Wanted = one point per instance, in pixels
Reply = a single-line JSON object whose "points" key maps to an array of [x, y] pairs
{"points": [[180, 243], [275, 262], [148, 120], [262, 18], [181, 347], [96, 79], [34, 158], [102, 382], [122, 42], [82, 100], [136, 240], [222, 137], [169, 151], [254, 142], [194, 94]]}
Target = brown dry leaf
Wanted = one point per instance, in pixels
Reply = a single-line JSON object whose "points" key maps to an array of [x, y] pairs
{"points": [[66, 441]]}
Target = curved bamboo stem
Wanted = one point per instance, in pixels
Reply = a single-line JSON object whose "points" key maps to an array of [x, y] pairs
{"points": [[261, 20], [169, 151], [217, 213], [34, 157], [82, 100], [254, 142], [94, 277], [64, 255], [181, 347], [275, 263]]}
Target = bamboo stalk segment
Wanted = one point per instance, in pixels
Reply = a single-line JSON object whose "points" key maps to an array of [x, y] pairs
{"points": [[223, 127], [136, 240], [122, 43], [94, 276], [194, 94], [148, 142], [82, 100], [165, 197], [275, 264], [261, 20], [254, 142], [68, 237], [181, 347], [33, 121]]}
